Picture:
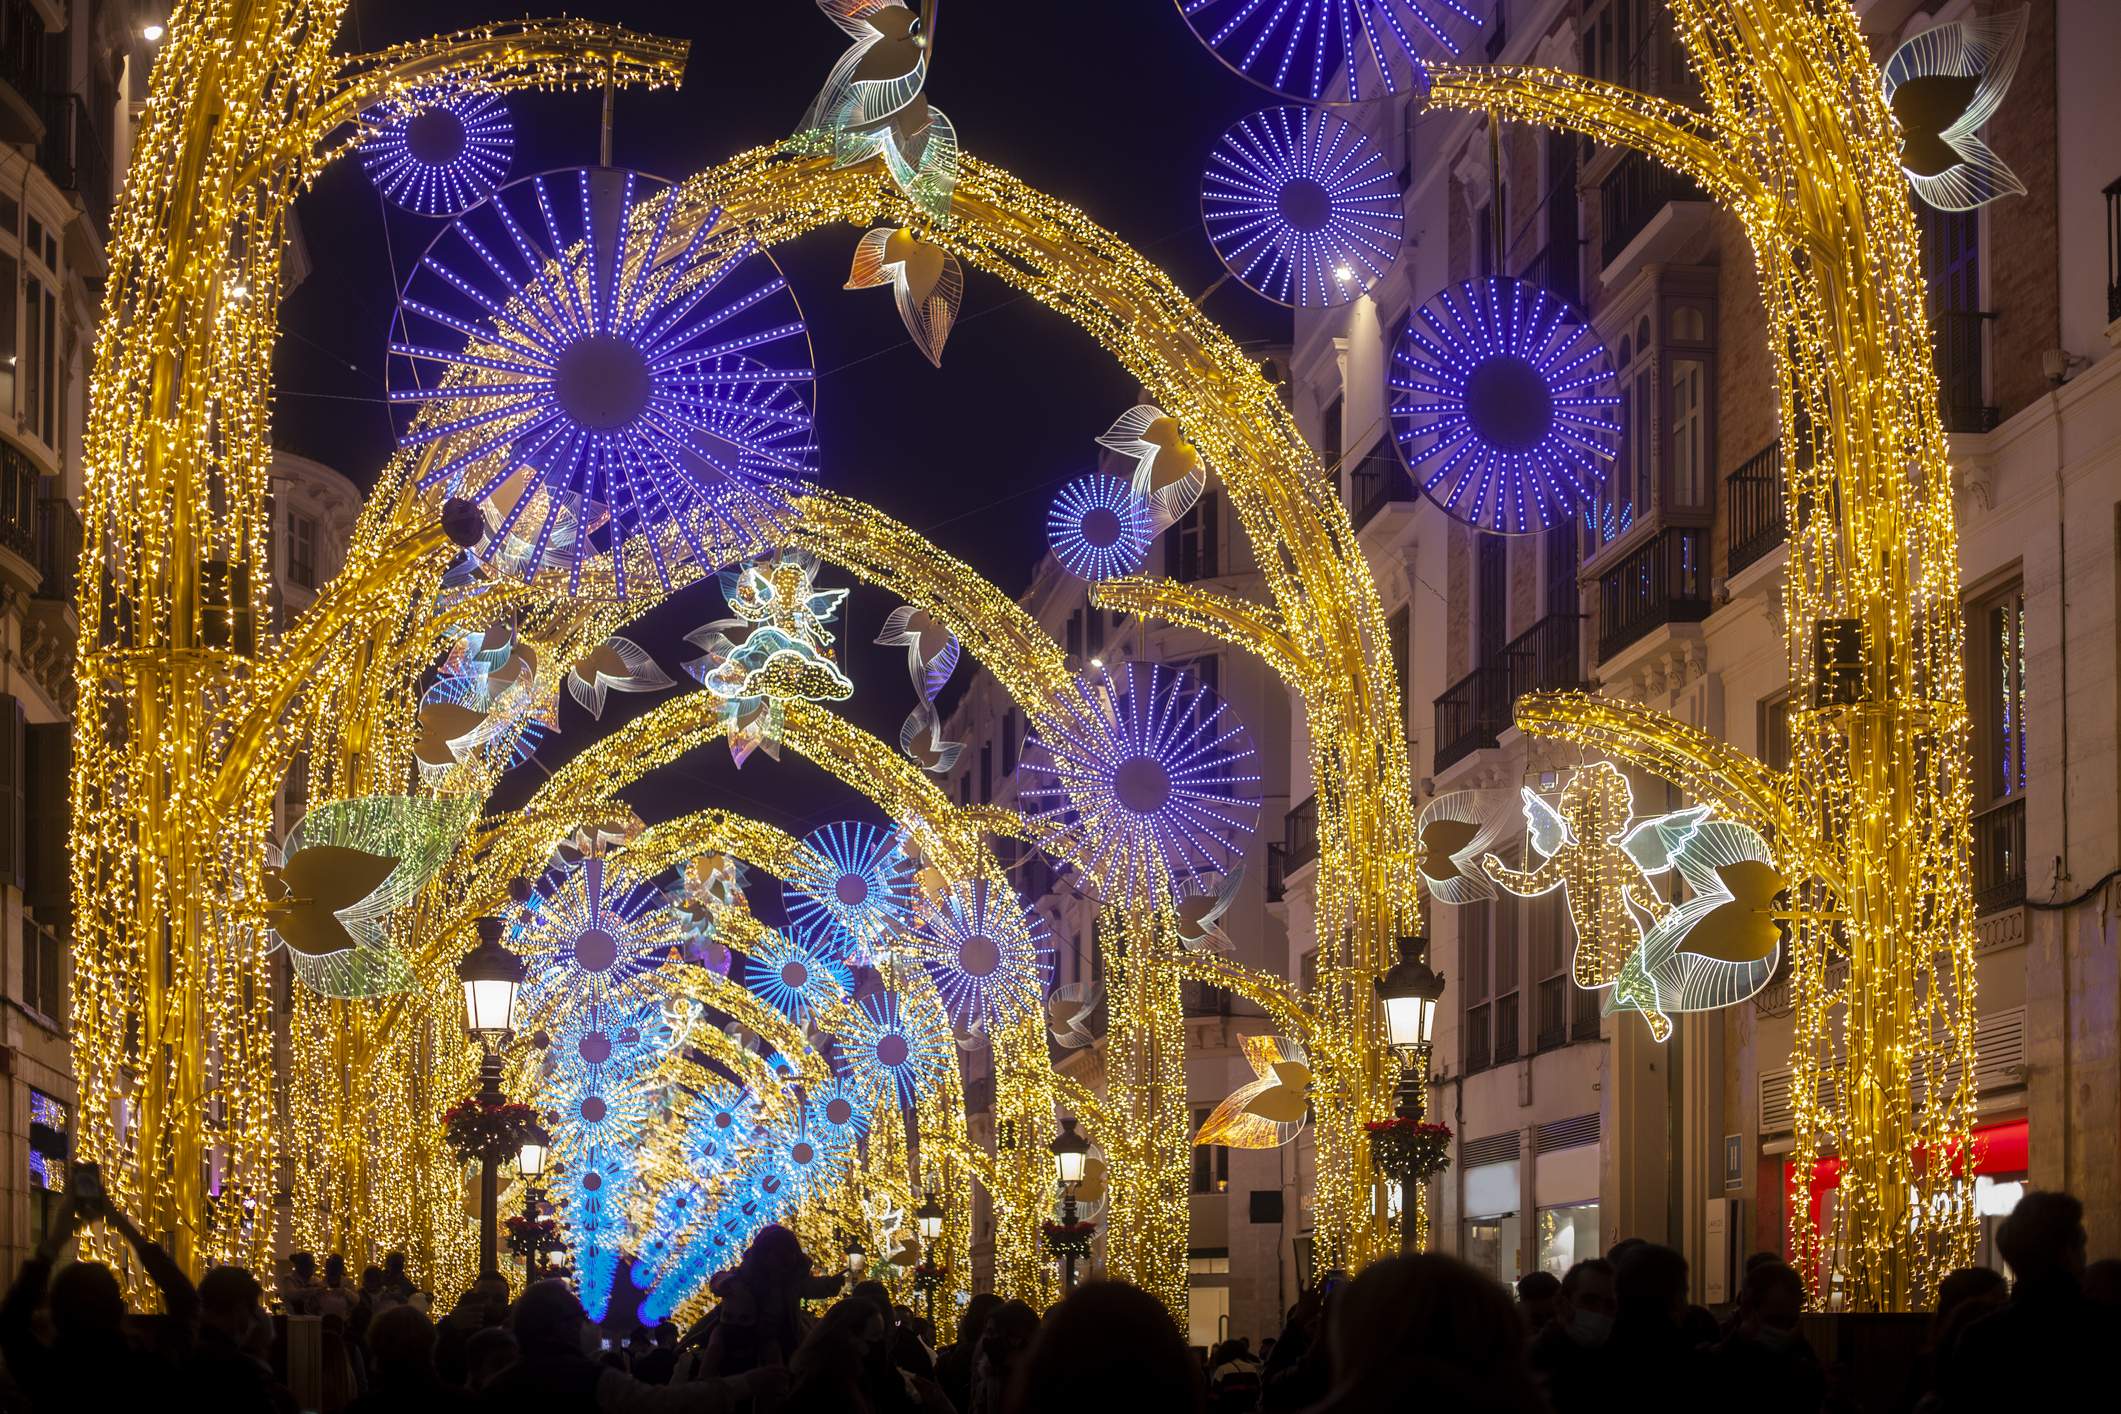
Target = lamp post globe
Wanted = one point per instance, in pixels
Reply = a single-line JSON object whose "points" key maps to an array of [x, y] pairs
{"points": [[490, 975], [1409, 991]]}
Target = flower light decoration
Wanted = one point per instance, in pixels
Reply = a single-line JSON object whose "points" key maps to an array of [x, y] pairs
{"points": [[1269, 1110], [1302, 208], [1145, 778], [839, 1109], [619, 387], [615, 665], [1099, 529], [894, 1054], [344, 869], [590, 1202], [439, 154], [874, 102], [1502, 405], [855, 877], [795, 973], [783, 649], [1332, 51], [592, 940], [1168, 471], [1943, 85], [989, 956]]}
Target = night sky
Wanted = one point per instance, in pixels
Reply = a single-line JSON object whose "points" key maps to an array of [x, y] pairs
{"points": [[1110, 104]]}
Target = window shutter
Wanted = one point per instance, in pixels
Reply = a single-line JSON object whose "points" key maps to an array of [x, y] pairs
{"points": [[14, 820], [49, 751]]}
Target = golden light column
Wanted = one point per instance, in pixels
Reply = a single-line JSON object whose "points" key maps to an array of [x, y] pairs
{"points": [[1796, 141]]}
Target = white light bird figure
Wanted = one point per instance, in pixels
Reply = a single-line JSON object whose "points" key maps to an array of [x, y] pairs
{"points": [[921, 738], [1168, 470], [1200, 915], [1943, 85], [1455, 831], [1068, 1011], [1720, 945], [925, 280], [1269, 1111], [615, 665], [874, 102], [931, 649]]}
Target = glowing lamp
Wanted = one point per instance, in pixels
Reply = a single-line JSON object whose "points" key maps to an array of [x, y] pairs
{"points": [[490, 974], [535, 1153], [1410, 991], [1071, 1154], [929, 1218]]}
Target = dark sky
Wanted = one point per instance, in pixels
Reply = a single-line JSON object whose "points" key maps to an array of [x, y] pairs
{"points": [[1110, 104]]}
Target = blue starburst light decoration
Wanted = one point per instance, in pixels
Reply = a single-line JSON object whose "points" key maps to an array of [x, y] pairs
{"points": [[1301, 207], [1145, 779], [855, 876], [1099, 529], [613, 384], [894, 1051], [591, 942], [1333, 51], [1502, 405], [839, 1110], [795, 973], [590, 1204], [440, 154], [989, 956]]}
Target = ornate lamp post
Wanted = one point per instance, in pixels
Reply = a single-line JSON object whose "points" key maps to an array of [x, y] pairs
{"points": [[928, 1220], [490, 974], [1410, 991], [1071, 1158], [530, 1162]]}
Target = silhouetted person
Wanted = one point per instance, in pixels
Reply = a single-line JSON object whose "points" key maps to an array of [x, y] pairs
{"points": [[2047, 1340], [1765, 1363], [655, 1365], [228, 1372], [401, 1368], [554, 1374], [91, 1363], [1109, 1346], [827, 1374], [1233, 1376], [333, 1296], [760, 1300], [2102, 1285], [298, 1293], [1650, 1285], [1568, 1357], [953, 1363], [1536, 1293], [397, 1285], [1008, 1334], [1299, 1372], [1963, 1297], [482, 1308], [1427, 1331], [486, 1354]]}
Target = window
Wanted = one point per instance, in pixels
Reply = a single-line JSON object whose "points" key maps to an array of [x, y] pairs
{"points": [[1484, 239], [1690, 433], [302, 551], [1012, 727], [1775, 732], [1567, 1235], [1330, 434], [986, 773], [1506, 961], [38, 366], [1192, 546], [1996, 698], [1546, 924], [43, 954], [964, 789], [1637, 430], [1473, 965], [1075, 634], [1401, 631], [1211, 1162], [50, 1136], [1096, 619], [1614, 510], [9, 278]]}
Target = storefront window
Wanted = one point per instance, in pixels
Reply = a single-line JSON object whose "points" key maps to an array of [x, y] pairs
{"points": [[50, 1124], [1491, 1246], [1567, 1235]]}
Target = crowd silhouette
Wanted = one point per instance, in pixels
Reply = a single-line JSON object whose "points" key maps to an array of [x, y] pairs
{"points": [[1614, 1332]]}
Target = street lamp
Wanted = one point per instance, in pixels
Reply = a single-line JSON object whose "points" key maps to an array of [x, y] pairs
{"points": [[531, 1159], [1410, 991], [490, 974], [928, 1221], [1071, 1159]]}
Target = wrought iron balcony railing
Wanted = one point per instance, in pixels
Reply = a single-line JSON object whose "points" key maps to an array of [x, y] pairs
{"points": [[1759, 521], [1665, 580]]}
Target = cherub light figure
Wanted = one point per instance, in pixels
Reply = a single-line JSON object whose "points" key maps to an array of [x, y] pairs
{"points": [[784, 650], [1592, 848]]}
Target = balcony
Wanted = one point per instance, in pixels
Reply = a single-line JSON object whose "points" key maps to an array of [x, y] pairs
{"points": [[1376, 482], [1962, 357], [1555, 269], [19, 480], [75, 153], [1277, 874], [1473, 712], [1999, 856], [1630, 198], [58, 548], [2113, 251], [1299, 836], [1759, 520], [1663, 581]]}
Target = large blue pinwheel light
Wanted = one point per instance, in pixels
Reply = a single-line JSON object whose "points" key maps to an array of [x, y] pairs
{"points": [[1099, 529], [611, 379], [1333, 51], [894, 1052], [439, 154], [591, 941], [796, 973], [988, 955], [856, 877], [1145, 779], [1301, 207], [1502, 405]]}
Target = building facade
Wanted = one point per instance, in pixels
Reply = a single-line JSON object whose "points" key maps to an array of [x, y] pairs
{"points": [[1575, 1129]]}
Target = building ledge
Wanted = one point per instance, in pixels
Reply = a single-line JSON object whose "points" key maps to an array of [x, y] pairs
{"points": [[1660, 642], [1670, 234], [1762, 577]]}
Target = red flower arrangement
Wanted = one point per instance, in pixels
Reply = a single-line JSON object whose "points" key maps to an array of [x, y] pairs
{"points": [[927, 1277], [1067, 1239], [531, 1237], [473, 1130], [1409, 1148]]}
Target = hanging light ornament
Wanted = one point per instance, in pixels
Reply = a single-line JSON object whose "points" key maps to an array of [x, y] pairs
{"points": [[602, 387], [1099, 529], [990, 957], [1943, 85], [1301, 207], [591, 942], [1145, 779], [893, 1053], [438, 154], [1332, 51], [795, 973], [855, 877], [1501, 405]]}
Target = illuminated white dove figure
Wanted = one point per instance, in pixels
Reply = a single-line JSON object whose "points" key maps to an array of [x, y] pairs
{"points": [[922, 739], [1942, 85], [615, 665], [1719, 946], [1200, 915], [931, 649], [1168, 471], [1268, 1112], [1456, 830], [1068, 1012], [925, 279], [873, 102]]}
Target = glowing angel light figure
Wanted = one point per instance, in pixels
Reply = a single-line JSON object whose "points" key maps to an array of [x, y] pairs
{"points": [[1943, 84], [615, 665], [341, 873], [925, 279], [1269, 1111], [784, 651], [873, 102], [1720, 945], [1168, 470], [1592, 848]]}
